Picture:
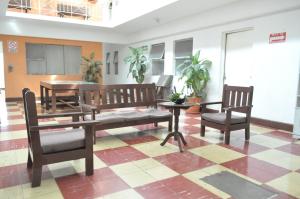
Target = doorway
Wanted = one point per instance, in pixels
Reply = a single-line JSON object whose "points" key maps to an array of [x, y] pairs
{"points": [[238, 58]]}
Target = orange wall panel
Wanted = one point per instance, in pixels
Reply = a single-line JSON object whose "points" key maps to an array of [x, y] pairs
{"points": [[18, 78]]}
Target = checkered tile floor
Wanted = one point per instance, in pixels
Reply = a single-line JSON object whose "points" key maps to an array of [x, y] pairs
{"points": [[130, 163]]}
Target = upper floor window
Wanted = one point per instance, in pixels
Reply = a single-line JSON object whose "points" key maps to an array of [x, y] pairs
{"points": [[183, 49], [157, 56]]}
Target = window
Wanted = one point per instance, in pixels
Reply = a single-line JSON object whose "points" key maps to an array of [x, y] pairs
{"points": [[43, 59], [116, 62], [157, 55], [107, 62], [183, 51]]}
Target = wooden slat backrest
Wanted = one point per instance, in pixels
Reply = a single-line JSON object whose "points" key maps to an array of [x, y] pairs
{"points": [[234, 96], [89, 94], [31, 117], [122, 95], [25, 112]]}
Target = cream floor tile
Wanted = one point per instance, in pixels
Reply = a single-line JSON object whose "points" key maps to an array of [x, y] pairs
{"points": [[16, 121], [14, 113], [153, 149], [259, 129], [267, 141], [12, 107], [211, 136], [141, 172], [108, 142], [13, 157], [72, 167], [48, 122], [14, 192], [63, 118], [123, 130], [288, 183], [47, 188], [129, 193], [195, 176], [216, 153], [279, 158], [11, 135]]}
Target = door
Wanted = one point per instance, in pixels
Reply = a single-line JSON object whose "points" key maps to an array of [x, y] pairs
{"points": [[238, 58], [2, 81]]}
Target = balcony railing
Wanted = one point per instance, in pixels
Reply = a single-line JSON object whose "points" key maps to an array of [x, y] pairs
{"points": [[76, 9]]}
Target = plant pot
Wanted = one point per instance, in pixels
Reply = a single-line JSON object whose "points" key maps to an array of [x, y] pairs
{"points": [[194, 109]]}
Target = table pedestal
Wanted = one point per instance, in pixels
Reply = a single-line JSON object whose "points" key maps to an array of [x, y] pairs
{"points": [[177, 135]]}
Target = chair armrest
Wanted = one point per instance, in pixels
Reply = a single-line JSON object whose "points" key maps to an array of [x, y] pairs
{"points": [[237, 108], [57, 126], [209, 103], [43, 116]]}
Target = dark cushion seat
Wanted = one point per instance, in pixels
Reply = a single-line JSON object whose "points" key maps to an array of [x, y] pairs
{"points": [[65, 140], [106, 117], [220, 118], [154, 113]]}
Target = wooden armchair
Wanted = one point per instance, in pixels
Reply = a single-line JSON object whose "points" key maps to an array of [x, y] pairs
{"points": [[235, 99], [52, 147]]}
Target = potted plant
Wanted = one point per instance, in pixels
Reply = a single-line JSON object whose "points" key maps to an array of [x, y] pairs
{"points": [[91, 68], [138, 63], [195, 73], [177, 97]]}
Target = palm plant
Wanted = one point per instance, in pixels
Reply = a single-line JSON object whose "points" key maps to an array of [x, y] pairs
{"points": [[91, 68], [138, 63], [195, 72]]}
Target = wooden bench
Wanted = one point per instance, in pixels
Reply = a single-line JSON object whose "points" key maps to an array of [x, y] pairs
{"points": [[97, 100]]}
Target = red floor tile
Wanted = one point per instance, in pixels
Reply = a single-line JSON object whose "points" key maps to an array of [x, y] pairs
{"points": [[120, 155], [102, 133], [281, 135], [242, 146], [183, 162], [176, 187], [18, 174], [16, 127], [256, 169], [137, 139], [189, 129], [13, 144], [14, 117], [190, 121], [104, 181], [290, 148]]}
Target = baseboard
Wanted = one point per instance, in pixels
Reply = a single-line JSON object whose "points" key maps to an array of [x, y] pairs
{"points": [[272, 124], [14, 99], [266, 123]]}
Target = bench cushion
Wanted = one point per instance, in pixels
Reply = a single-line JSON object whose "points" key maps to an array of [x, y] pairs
{"points": [[154, 113], [62, 140], [107, 117], [221, 117]]}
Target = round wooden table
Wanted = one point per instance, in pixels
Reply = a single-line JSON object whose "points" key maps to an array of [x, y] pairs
{"points": [[175, 110]]}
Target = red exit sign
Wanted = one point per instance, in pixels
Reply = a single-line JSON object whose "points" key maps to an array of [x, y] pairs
{"points": [[277, 37]]}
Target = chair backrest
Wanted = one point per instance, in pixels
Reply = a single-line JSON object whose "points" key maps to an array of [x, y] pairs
{"points": [[118, 95], [25, 112], [31, 118], [165, 80], [237, 96]]}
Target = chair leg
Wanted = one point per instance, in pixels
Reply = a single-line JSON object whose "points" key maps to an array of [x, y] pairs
{"points": [[95, 137], [29, 161], [222, 132], [202, 130], [36, 174], [227, 137], [89, 165], [247, 133], [155, 124]]}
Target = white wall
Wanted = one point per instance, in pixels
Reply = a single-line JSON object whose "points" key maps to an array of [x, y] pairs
{"points": [[275, 66]]}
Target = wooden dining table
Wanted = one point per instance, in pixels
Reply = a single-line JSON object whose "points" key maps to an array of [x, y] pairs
{"points": [[58, 86]]}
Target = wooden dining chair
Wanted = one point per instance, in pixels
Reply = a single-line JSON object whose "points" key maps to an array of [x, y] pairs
{"points": [[235, 99], [52, 147]]}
